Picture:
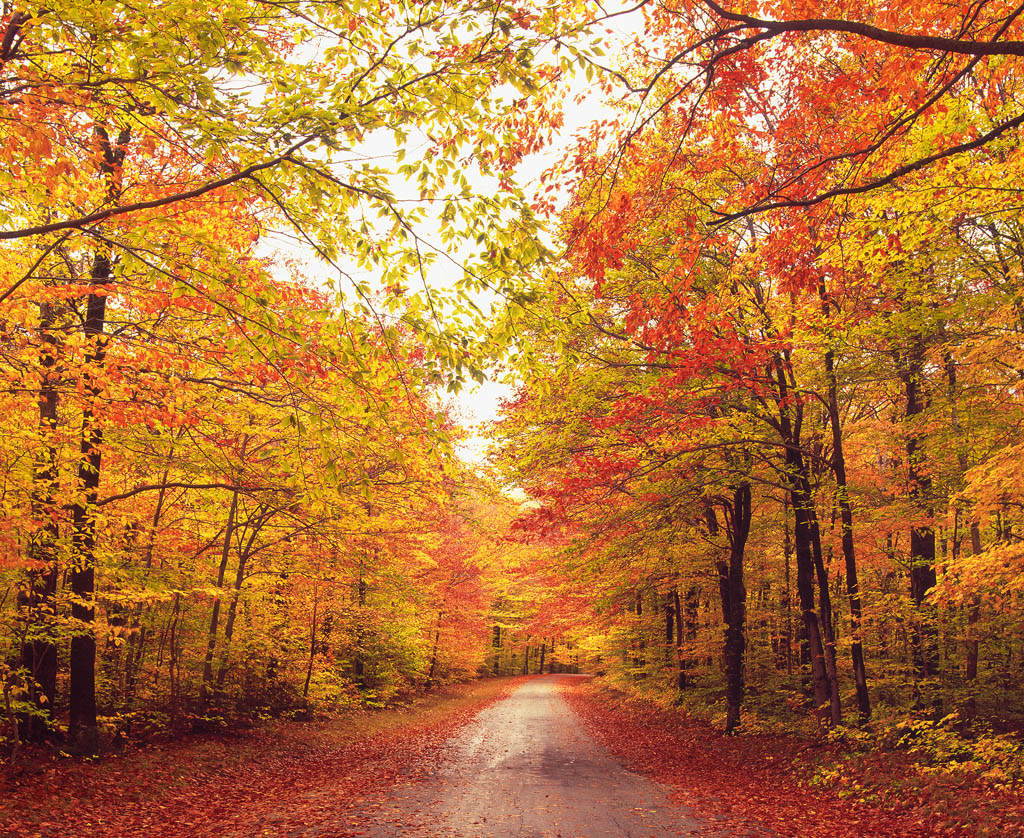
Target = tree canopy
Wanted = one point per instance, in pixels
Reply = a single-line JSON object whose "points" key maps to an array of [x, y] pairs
{"points": [[762, 321]]}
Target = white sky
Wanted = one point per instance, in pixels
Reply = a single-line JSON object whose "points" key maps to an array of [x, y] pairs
{"points": [[478, 404]]}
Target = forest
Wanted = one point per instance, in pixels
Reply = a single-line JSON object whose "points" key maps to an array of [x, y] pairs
{"points": [[752, 272]]}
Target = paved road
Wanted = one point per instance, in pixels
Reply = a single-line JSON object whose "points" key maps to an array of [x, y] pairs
{"points": [[527, 768]]}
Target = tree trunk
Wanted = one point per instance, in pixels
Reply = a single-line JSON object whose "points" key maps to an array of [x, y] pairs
{"points": [[849, 555], [922, 538], [804, 530], [172, 661], [735, 642], [229, 623], [82, 728], [137, 639], [312, 642], [734, 598], [681, 656], [670, 627], [787, 601], [37, 599], [971, 668], [358, 664], [211, 633], [437, 645], [245, 553], [973, 613], [825, 611]]}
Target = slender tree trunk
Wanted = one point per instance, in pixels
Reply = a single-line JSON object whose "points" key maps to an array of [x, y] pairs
{"points": [[245, 553], [826, 613], [157, 513], [137, 638], [670, 627], [692, 606], [681, 656], [640, 659], [82, 729], [804, 530], [849, 554], [229, 623], [437, 646], [37, 599], [787, 601], [211, 633], [971, 667], [312, 642], [805, 592], [973, 614], [358, 664], [734, 598], [172, 661], [735, 643], [922, 538]]}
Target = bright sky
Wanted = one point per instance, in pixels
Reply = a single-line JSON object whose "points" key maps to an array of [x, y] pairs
{"points": [[478, 404]]}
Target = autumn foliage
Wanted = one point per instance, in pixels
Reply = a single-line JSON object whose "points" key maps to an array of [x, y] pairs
{"points": [[769, 404], [764, 323], [230, 486]]}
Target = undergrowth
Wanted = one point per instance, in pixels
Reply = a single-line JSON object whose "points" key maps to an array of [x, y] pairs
{"points": [[946, 767]]}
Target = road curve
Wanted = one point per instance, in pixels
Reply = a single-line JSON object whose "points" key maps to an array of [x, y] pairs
{"points": [[527, 768]]}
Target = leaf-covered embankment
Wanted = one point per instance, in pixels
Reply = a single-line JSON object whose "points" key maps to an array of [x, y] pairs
{"points": [[285, 778], [755, 783]]}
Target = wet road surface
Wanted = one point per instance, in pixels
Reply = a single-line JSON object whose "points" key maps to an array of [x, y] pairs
{"points": [[527, 768]]}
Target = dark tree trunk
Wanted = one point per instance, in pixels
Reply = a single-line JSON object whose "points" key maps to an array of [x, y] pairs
{"points": [[786, 646], [681, 654], [971, 667], [245, 553], [312, 641], [172, 661], [37, 599], [358, 664], [437, 645], [670, 625], [735, 640], [825, 611], [211, 633], [640, 659], [734, 598], [804, 532], [973, 614], [82, 728], [922, 538], [849, 554], [229, 623]]}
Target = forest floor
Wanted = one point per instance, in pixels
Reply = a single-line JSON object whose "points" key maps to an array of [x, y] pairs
{"points": [[499, 758], [763, 784], [281, 779]]}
